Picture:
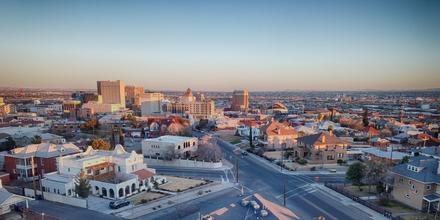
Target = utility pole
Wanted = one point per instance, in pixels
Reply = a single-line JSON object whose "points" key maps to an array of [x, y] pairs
{"points": [[236, 170], [284, 191], [33, 176]]}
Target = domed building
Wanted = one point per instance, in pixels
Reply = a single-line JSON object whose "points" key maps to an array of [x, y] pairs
{"points": [[277, 108], [188, 96]]}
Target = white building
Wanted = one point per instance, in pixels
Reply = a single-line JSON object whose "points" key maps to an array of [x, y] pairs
{"points": [[112, 174], [244, 131], [169, 146]]}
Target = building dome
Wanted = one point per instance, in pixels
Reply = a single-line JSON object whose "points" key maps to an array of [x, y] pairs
{"points": [[278, 107], [188, 92], [188, 96]]}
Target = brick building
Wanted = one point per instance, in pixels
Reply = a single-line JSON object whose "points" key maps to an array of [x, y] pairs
{"points": [[18, 162]]}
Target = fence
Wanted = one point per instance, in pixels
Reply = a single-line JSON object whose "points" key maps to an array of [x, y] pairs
{"points": [[183, 163], [58, 198], [341, 190]]}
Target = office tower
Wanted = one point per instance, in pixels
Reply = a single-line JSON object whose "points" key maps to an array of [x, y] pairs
{"points": [[112, 92], [132, 93], [240, 100], [151, 104]]}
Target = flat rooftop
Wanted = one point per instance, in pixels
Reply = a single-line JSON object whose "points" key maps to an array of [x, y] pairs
{"points": [[170, 138]]}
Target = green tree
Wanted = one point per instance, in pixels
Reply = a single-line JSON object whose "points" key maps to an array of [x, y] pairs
{"points": [[251, 138], [82, 185], [356, 173], [365, 118], [9, 144], [100, 144], [37, 139], [405, 159]]}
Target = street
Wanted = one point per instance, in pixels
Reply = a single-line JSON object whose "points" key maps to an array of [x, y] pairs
{"points": [[302, 197]]}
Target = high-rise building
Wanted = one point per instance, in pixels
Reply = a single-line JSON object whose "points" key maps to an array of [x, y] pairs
{"points": [[240, 100], [112, 92], [151, 104], [132, 93]]}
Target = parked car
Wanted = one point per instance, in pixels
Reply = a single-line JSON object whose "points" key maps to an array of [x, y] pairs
{"points": [[244, 153], [244, 202], [119, 204]]}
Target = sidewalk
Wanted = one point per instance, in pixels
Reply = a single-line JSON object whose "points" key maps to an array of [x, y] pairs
{"points": [[226, 166], [349, 202], [173, 200], [278, 168]]}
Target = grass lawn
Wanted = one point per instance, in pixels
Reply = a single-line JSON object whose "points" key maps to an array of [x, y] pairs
{"points": [[175, 184], [420, 216], [229, 136], [146, 196], [276, 155], [396, 207], [355, 190], [235, 142]]}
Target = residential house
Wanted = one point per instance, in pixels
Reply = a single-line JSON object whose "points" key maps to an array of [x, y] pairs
{"points": [[323, 147], [9, 200], [277, 135], [383, 156], [416, 183]]}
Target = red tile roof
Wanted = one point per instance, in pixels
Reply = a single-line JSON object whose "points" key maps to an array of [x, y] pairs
{"points": [[143, 174]]}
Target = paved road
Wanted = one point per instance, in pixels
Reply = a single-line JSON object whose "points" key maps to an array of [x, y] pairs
{"points": [[228, 198], [303, 198], [67, 212]]}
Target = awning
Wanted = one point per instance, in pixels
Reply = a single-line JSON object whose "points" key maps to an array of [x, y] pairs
{"points": [[432, 197]]}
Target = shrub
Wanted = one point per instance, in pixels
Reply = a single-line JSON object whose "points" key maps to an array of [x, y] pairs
{"points": [[301, 161], [383, 202], [144, 200], [340, 162]]}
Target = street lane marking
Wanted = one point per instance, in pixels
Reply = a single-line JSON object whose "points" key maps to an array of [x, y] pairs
{"points": [[296, 188], [317, 207]]}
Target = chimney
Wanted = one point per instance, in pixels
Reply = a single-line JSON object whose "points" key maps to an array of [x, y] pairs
{"points": [[438, 167], [323, 138]]}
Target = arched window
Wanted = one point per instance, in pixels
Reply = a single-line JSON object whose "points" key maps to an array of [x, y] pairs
{"points": [[97, 189], [127, 190], [104, 191], [121, 193], [133, 188], [112, 193]]}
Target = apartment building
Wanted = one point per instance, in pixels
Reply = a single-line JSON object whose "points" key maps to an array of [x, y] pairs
{"points": [[18, 162]]}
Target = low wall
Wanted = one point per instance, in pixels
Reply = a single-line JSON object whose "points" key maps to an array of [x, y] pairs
{"points": [[58, 198], [183, 163]]}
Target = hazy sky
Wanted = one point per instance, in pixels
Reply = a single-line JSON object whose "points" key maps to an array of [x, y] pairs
{"points": [[222, 45]]}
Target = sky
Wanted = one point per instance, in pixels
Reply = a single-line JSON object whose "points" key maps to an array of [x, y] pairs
{"points": [[222, 45]]}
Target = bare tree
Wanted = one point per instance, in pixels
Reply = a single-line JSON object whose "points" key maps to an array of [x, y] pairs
{"points": [[208, 150], [170, 155]]}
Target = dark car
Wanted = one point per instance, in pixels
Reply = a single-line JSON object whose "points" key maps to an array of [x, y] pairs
{"points": [[119, 204], [244, 153]]}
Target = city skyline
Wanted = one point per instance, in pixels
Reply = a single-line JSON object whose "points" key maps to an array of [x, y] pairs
{"points": [[213, 46]]}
